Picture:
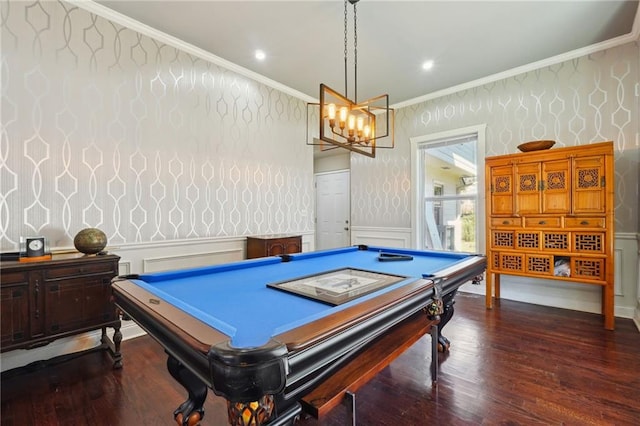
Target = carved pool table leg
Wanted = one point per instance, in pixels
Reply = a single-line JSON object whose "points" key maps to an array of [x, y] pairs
{"points": [[113, 345], [447, 301], [190, 412], [117, 340]]}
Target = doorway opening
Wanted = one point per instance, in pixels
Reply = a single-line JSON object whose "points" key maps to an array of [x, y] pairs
{"points": [[333, 209]]}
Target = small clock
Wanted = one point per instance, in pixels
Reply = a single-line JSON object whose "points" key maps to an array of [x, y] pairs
{"points": [[35, 247]]}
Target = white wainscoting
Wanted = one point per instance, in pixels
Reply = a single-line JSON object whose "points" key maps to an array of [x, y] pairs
{"points": [[139, 258], [387, 237]]}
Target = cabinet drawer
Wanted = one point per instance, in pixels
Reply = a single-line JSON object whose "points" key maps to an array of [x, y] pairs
{"points": [[497, 222], [588, 268], [506, 261], [556, 241], [584, 222], [589, 242], [76, 270], [14, 278], [539, 264], [502, 239], [513, 262], [543, 222], [529, 240]]}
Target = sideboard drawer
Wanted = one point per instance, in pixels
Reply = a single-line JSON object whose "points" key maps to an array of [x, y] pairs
{"points": [[497, 222], [543, 222], [83, 269], [584, 222]]}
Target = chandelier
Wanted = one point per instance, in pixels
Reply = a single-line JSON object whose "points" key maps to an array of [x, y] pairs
{"points": [[360, 127]]}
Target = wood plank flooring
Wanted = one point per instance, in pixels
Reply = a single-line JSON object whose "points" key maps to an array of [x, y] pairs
{"points": [[518, 364]]}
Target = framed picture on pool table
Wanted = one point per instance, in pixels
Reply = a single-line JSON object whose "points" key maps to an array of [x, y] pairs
{"points": [[338, 286]]}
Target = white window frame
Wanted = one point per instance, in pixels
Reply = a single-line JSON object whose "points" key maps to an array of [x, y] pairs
{"points": [[417, 196]]}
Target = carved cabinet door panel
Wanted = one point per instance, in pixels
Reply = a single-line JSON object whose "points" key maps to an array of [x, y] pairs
{"points": [[556, 186], [528, 188], [14, 309], [589, 184], [501, 190]]}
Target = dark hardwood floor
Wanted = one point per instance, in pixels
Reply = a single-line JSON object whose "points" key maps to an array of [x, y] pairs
{"points": [[518, 364]]}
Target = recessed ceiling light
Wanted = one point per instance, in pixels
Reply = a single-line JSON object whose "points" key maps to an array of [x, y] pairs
{"points": [[427, 65], [260, 55]]}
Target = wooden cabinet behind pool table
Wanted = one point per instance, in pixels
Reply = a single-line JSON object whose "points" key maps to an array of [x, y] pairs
{"points": [[550, 214], [273, 245]]}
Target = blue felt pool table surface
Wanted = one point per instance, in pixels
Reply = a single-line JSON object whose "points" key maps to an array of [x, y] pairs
{"points": [[235, 300]]}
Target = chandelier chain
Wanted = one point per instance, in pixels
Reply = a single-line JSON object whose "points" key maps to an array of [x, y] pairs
{"points": [[345, 48], [355, 53]]}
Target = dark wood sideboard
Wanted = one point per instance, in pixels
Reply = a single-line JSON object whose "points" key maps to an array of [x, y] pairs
{"points": [[273, 245], [69, 294]]}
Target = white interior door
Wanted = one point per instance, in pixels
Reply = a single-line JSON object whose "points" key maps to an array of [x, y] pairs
{"points": [[333, 211]]}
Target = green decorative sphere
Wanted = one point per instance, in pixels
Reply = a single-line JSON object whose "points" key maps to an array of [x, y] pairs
{"points": [[90, 241]]}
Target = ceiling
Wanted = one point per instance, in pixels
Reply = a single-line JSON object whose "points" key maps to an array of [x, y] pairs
{"points": [[304, 40]]}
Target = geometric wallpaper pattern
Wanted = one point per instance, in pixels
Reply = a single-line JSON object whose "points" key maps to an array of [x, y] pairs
{"points": [[104, 127], [590, 99], [109, 128]]}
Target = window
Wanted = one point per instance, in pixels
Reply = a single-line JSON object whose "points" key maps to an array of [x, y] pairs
{"points": [[447, 172]]}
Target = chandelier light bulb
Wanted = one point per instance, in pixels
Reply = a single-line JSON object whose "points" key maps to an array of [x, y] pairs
{"points": [[352, 122], [331, 111], [344, 111]]}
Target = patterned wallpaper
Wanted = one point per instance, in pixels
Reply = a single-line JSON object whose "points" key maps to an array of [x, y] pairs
{"points": [[589, 99], [104, 127]]}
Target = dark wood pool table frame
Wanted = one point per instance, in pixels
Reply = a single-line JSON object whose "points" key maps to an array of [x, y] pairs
{"points": [[293, 364]]}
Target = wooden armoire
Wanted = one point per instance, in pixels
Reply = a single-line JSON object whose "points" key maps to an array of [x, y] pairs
{"points": [[550, 215]]}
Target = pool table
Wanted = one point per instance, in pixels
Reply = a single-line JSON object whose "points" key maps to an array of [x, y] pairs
{"points": [[263, 333]]}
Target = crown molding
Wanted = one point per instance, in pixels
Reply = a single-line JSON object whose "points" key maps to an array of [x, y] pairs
{"points": [[634, 35]]}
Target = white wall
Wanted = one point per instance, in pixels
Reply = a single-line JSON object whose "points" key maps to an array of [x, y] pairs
{"points": [[338, 160]]}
